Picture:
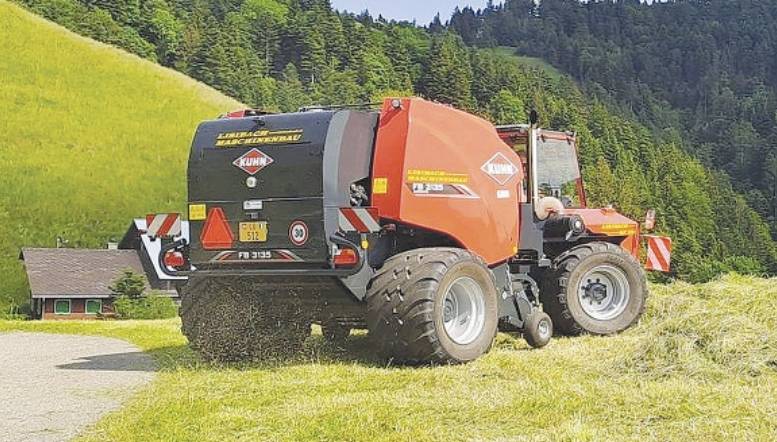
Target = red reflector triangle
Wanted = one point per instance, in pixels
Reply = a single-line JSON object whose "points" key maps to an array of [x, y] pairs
{"points": [[216, 233]]}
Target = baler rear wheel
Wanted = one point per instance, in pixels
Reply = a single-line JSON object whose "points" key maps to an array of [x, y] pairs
{"points": [[434, 305], [595, 288], [228, 323]]}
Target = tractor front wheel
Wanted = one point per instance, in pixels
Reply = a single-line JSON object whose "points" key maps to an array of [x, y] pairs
{"points": [[434, 305], [595, 288]]}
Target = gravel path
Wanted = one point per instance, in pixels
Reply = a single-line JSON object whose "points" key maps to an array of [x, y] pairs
{"points": [[52, 386]]}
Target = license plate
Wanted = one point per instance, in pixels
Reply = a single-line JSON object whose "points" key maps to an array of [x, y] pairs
{"points": [[253, 232]]}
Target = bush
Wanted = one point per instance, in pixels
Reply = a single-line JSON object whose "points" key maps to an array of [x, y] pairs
{"points": [[706, 270], [14, 312], [152, 306], [129, 284]]}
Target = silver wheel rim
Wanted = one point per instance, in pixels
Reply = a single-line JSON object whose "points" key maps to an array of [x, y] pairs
{"points": [[603, 292], [464, 310]]}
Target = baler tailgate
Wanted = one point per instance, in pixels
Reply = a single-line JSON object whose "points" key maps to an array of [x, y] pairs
{"points": [[261, 181]]}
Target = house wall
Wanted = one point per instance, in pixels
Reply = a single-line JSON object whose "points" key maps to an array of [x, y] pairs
{"points": [[77, 309]]}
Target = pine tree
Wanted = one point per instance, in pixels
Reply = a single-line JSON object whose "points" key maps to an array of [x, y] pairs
{"points": [[291, 94], [448, 74], [159, 26], [267, 20], [126, 12], [506, 108]]}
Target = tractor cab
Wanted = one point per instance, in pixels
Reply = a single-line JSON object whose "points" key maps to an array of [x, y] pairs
{"points": [[555, 174], [557, 168]]}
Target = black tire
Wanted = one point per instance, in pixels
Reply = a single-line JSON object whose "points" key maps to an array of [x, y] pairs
{"points": [[538, 329], [334, 332], [228, 323], [405, 306], [560, 285]]}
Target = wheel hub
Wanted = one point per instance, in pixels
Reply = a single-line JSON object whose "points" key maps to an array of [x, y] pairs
{"points": [[448, 310], [603, 292], [596, 291], [464, 313], [544, 329]]}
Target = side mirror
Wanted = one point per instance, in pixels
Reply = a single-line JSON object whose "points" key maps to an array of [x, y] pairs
{"points": [[650, 220]]}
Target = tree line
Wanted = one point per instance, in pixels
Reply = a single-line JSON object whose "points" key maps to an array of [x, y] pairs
{"points": [[700, 73], [281, 55]]}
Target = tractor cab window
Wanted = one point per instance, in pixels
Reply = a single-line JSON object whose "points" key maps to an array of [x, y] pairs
{"points": [[558, 171]]}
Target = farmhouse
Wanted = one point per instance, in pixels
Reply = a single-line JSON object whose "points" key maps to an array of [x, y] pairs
{"points": [[75, 283]]}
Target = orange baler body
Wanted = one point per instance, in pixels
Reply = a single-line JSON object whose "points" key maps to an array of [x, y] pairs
{"points": [[448, 171]]}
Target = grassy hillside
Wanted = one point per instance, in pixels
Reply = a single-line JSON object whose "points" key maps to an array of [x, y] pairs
{"points": [[701, 366], [509, 53], [90, 137]]}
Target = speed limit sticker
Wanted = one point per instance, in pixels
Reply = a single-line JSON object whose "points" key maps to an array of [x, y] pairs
{"points": [[298, 233]]}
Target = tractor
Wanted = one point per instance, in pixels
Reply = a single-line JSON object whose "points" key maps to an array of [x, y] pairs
{"points": [[428, 226]]}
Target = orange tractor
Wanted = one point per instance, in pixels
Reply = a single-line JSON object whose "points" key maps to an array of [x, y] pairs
{"points": [[426, 225]]}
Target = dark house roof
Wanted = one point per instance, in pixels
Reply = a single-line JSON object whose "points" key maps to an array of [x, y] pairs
{"points": [[76, 273]]}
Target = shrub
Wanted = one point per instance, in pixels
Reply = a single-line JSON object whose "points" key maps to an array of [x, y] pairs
{"points": [[152, 306], [744, 265], [129, 284], [15, 312], [706, 270]]}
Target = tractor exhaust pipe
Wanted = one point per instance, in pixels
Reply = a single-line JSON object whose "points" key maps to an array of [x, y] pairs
{"points": [[531, 159]]}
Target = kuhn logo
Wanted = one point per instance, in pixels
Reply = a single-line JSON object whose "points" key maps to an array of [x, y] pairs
{"points": [[253, 161], [500, 169]]}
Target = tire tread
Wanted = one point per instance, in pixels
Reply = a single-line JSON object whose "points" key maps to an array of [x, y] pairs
{"points": [[400, 304]]}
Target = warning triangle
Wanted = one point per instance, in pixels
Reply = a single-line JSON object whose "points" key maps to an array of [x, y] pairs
{"points": [[216, 233]]}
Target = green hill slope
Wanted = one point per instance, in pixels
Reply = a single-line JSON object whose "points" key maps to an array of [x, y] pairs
{"points": [[89, 137]]}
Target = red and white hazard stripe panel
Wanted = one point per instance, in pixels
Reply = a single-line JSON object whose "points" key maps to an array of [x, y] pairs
{"points": [[358, 219], [163, 225], [659, 253]]}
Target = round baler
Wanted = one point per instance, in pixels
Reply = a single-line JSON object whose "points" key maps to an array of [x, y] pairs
{"points": [[426, 225]]}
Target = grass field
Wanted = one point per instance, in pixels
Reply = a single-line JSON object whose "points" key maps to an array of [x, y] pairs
{"points": [[90, 137], [702, 366]]}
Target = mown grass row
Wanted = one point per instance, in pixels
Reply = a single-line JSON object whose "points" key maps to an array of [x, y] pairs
{"points": [[701, 366], [90, 137]]}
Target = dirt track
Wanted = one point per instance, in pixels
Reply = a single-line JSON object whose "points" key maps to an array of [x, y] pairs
{"points": [[53, 386]]}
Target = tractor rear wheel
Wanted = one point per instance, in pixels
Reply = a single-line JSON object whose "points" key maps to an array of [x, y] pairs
{"points": [[228, 323], [435, 305], [595, 288]]}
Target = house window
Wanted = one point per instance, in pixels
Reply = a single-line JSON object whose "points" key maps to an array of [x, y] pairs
{"points": [[62, 306], [94, 306]]}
